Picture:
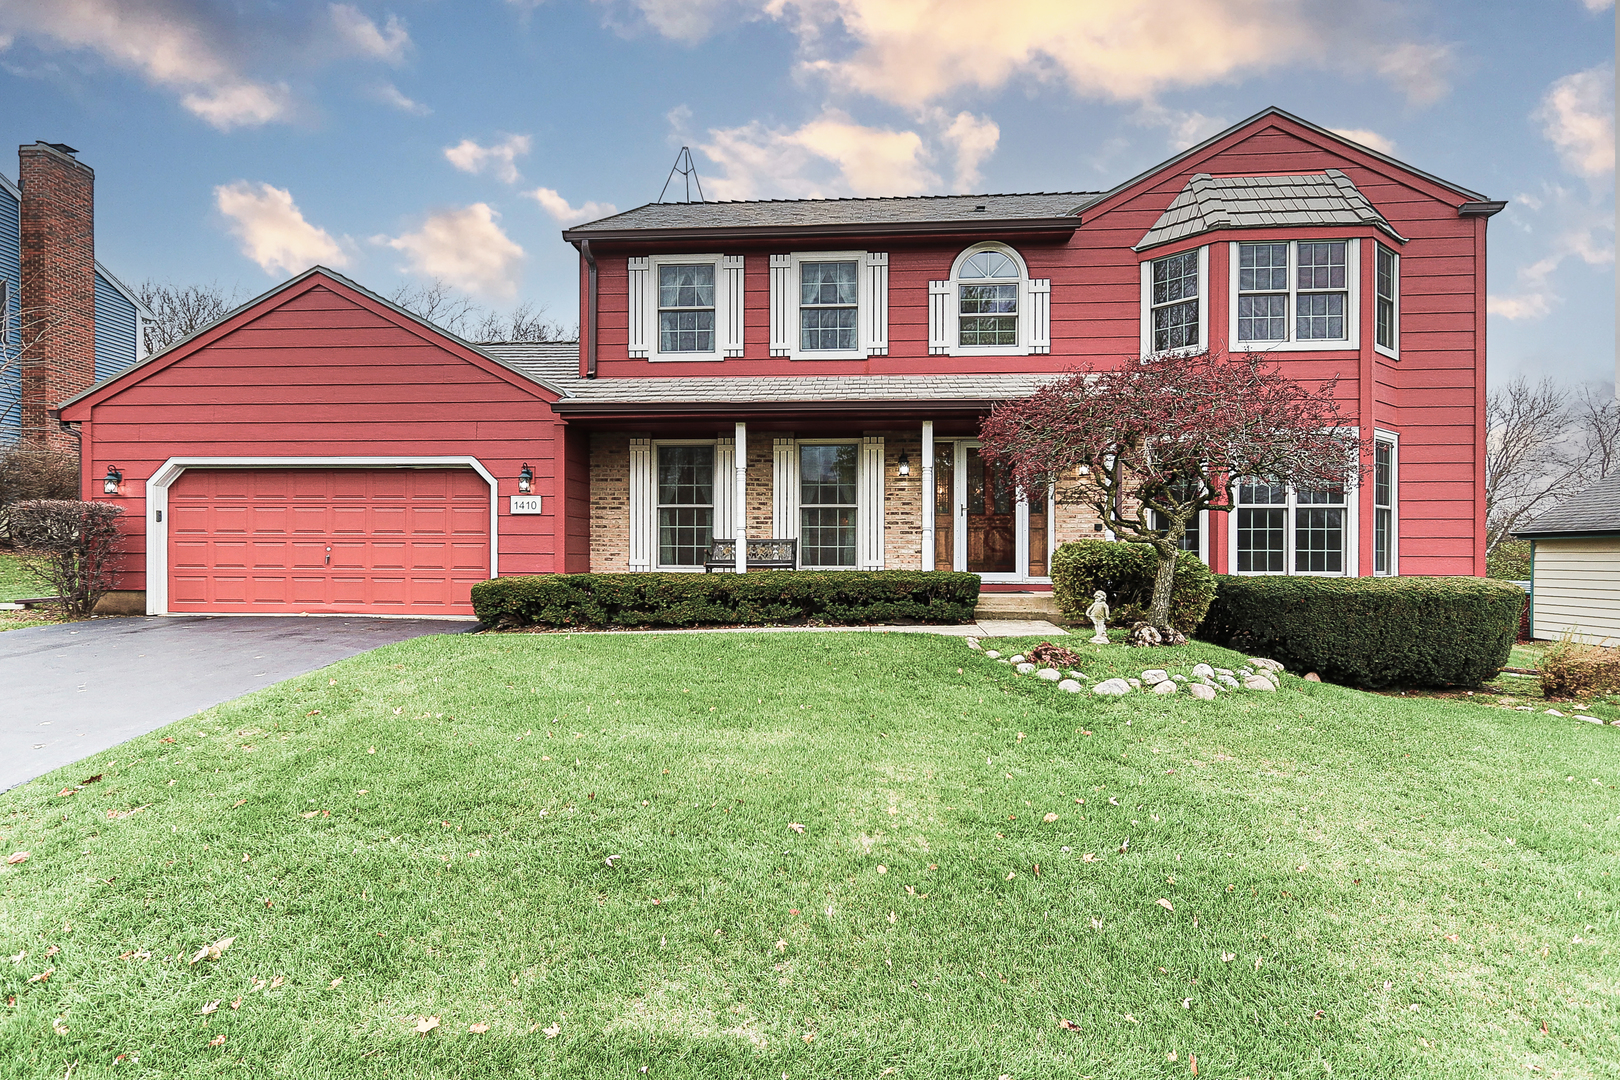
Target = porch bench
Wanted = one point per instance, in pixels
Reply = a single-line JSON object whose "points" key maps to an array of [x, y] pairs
{"points": [[764, 554]]}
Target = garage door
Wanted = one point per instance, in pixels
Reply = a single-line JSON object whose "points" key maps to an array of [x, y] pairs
{"points": [[370, 541]]}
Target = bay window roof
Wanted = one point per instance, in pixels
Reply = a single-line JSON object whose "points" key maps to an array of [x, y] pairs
{"points": [[1209, 203]]}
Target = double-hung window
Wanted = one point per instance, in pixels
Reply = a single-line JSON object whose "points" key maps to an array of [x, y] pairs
{"points": [[829, 306], [1175, 304], [1387, 301], [827, 504], [686, 308], [1294, 293], [1384, 521], [1279, 530], [685, 504]]}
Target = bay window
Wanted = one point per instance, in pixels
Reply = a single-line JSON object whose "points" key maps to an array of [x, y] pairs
{"points": [[1173, 302], [1294, 293], [1280, 530], [1386, 310]]}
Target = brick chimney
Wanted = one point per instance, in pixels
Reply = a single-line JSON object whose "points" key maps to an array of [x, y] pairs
{"points": [[58, 291]]}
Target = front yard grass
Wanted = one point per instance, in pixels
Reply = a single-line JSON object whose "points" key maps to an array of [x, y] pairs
{"points": [[589, 844], [16, 583]]}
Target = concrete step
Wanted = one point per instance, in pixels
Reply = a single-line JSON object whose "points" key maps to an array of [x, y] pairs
{"points": [[1016, 606]]}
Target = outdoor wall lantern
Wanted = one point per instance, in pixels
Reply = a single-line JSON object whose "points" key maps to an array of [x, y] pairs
{"points": [[905, 464], [109, 486], [526, 479]]}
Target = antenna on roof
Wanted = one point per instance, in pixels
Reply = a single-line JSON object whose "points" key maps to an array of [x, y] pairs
{"points": [[688, 170]]}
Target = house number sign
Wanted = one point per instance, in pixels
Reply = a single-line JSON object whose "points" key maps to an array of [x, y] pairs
{"points": [[525, 504]]}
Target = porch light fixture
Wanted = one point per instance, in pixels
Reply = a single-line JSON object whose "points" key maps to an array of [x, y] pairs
{"points": [[109, 486], [526, 479], [905, 465]]}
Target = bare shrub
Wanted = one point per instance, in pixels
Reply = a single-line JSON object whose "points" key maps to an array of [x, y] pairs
{"points": [[1572, 670], [28, 472], [69, 544]]}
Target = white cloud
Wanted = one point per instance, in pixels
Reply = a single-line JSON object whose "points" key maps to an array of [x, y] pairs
{"points": [[389, 94], [464, 248], [913, 52], [364, 36], [557, 206], [168, 43], [973, 139], [1369, 139], [1598, 5], [1185, 128], [830, 156], [470, 157], [273, 231], [1582, 230], [1577, 115]]}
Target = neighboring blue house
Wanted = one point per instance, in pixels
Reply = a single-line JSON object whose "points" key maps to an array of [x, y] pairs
{"points": [[120, 317]]}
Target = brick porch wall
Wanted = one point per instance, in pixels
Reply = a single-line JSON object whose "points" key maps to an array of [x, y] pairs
{"points": [[610, 502], [902, 501], [761, 469]]}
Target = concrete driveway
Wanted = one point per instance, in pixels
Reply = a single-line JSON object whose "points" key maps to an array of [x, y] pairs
{"points": [[71, 690]]}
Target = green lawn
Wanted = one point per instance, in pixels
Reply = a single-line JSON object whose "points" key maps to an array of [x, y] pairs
{"points": [[585, 843], [17, 583]]}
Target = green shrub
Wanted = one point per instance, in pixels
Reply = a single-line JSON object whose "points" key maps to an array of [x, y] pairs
{"points": [[1125, 572], [834, 598], [1419, 631]]}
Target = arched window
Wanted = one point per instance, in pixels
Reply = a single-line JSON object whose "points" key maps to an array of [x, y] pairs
{"points": [[989, 305]]}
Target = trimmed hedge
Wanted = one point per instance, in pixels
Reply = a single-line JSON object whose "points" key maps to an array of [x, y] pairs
{"points": [[829, 598], [1418, 631], [1125, 571]]}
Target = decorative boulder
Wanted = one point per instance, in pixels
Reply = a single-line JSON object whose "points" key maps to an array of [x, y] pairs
{"points": [[1049, 674], [1203, 671], [1154, 676], [992, 654], [1312, 677], [1166, 687], [1224, 671], [1171, 636], [1077, 675], [1024, 668], [1202, 691], [1143, 636], [1135, 684], [1179, 678], [1018, 658], [1071, 686], [973, 643], [1112, 688], [1266, 665], [1226, 680], [1258, 682]]}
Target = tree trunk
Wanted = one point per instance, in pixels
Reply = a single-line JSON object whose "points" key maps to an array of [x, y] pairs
{"points": [[1164, 582]]}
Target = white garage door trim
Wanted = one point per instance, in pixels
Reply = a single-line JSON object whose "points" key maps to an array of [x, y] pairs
{"points": [[157, 502]]}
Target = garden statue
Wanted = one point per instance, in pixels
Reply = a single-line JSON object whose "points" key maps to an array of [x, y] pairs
{"points": [[1098, 614]]}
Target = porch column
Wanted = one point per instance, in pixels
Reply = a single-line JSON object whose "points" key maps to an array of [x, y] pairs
{"points": [[740, 501], [928, 495]]}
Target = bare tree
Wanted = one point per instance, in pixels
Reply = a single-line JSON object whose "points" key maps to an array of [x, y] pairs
{"points": [[439, 304], [181, 310], [24, 336], [1541, 446]]}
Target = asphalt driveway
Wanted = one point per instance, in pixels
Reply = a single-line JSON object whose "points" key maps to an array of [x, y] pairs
{"points": [[70, 690]]}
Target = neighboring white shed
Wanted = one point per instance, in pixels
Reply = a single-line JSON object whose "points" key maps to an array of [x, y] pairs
{"points": [[1575, 567]]}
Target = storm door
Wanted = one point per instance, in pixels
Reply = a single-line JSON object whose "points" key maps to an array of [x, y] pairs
{"points": [[990, 530]]}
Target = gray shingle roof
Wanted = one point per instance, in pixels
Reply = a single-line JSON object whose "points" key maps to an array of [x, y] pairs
{"points": [[556, 364], [1208, 203], [804, 212], [1593, 510]]}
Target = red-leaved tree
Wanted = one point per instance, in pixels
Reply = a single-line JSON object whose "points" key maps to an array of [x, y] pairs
{"points": [[1157, 440]]}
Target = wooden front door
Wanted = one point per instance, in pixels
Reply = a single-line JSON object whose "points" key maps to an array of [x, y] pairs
{"points": [[992, 519]]}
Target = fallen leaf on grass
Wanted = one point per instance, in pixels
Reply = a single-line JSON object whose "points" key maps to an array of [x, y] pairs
{"points": [[1131, 1019], [1193, 1060], [116, 815], [218, 1040], [60, 1028], [1451, 937], [1090, 856], [16, 857], [212, 1006], [477, 1029], [237, 1004], [426, 1024], [66, 792], [20, 956], [42, 976], [1227, 957], [1096, 924], [1125, 845], [336, 981], [1167, 905], [551, 1032], [795, 826], [1068, 1025], [214, 951], [1049, 818], [52, 951], [238, 802]]}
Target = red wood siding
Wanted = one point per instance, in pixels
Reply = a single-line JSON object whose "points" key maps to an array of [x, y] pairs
{"points": [[376, 541]]}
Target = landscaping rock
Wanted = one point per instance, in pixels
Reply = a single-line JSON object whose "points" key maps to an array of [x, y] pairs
{"points": [[1071, 686], [1112, 688], [1264, 664], [1154, 676], [1312, 677], [1135, 684], [1226, 679], [1077, 675], [1166, 687], [1049, 674], [1018, 658], [1179, 678], [992, 654], [1588, 719], [1003, 660], [1202, 691], [1224, 671], [973, 643], [1204, 671], [1143, 636], [1025, 668], [1258, 682]]}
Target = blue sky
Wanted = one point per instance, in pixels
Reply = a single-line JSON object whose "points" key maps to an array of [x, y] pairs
{"points": [[415, 139]]}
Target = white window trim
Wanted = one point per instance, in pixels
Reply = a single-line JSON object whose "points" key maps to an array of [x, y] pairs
{"points": [[728, 300], [1352, 536], [871, 304], [1352, 300], [1203, 306], [720, 505], [1395, 279], [869, 495], [1394, 441], [1034, 309], [1020, 574], [157, 502]]}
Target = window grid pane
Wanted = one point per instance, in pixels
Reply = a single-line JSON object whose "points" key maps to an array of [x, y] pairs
{"points": [[828, 311], [827, 514], [685, 510], [1320, 315], [826, 328], [686, 308], [1175, 301], [1384, 313], [1318, 540], [1260, 539], [1189, 539], [1384, 507]]}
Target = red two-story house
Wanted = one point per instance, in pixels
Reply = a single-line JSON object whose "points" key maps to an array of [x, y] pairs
{"points": [[816, 371]]}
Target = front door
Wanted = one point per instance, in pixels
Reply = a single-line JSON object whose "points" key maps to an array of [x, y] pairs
{"points": [[986, 528], [992, 517]]}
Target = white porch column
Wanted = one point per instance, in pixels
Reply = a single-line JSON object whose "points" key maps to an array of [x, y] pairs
{"points": [[928, 495], [740, 504]]}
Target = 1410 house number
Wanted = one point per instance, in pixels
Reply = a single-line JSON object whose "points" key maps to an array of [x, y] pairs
{"points": [[525, 504]]}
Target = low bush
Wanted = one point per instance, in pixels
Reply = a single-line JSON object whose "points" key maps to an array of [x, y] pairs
{"points": [[1125, 572], [27, 472], [1430, 631], [70, 545], [1570, 670], [832, 598]]}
